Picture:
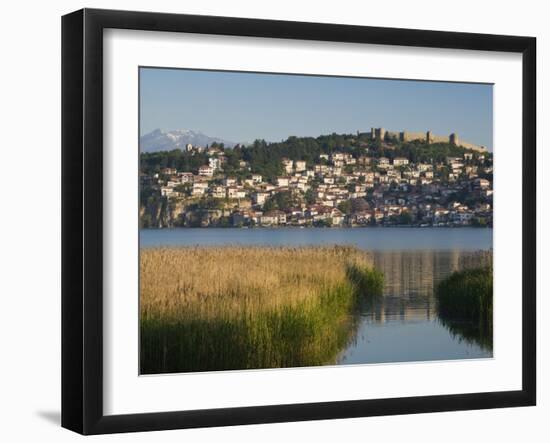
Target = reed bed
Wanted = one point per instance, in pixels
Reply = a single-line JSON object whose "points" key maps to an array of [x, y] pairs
{"points": [[219, 308], [369, 281], [465, 304]]}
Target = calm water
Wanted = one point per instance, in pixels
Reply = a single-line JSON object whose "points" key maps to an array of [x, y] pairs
{"points": [[365, 238], [403, 324]]}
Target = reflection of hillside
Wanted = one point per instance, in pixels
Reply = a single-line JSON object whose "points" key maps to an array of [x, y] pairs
{"points": [[410, 278]]}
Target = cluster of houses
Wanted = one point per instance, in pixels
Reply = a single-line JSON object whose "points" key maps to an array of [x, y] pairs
{"points": [[338, 190]]}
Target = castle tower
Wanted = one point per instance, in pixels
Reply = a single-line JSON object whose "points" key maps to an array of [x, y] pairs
{"points": [[429, 137], [453, 139], [372, 134], [380, 133]]}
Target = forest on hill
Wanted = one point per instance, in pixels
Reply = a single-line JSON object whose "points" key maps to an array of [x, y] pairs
{"points": [[265, 157]]}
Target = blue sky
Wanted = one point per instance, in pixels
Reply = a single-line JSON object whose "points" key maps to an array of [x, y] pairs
{"points": [[242, 107]]}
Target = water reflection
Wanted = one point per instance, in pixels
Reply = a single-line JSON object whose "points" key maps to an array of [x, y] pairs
{"points": [[403, 324], [480, 334]]}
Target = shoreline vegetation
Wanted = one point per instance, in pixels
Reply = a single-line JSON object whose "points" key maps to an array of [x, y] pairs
{"points": [[229, 308], [465, 304]]}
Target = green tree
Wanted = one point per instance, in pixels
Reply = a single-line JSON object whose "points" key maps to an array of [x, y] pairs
{"points": [[309, 196], [405, 218], [345, 207], [281, 200]]}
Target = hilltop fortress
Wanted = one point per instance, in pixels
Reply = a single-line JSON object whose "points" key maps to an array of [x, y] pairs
{"points": [[406, 136]]}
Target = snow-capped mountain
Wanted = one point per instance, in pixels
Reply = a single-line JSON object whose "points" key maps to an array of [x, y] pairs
{"points": [[159, 140]]}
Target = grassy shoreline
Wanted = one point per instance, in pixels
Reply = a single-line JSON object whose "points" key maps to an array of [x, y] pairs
{"points": [[220, 308]]}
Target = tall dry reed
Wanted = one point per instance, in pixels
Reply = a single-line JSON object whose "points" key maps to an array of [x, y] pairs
{"points": [[213, 308]]}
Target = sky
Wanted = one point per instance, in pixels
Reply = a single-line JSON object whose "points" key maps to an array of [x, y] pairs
{"points": [[242, 107]]}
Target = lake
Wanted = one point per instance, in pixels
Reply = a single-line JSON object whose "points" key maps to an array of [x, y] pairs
{"points": [[403, 324], [466, 239]]}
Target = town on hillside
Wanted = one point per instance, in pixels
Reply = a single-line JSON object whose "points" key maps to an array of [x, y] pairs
{"points": [[376, 178]]}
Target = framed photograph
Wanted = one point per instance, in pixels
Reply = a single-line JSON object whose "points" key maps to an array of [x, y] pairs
{"points": [[268, 221]]}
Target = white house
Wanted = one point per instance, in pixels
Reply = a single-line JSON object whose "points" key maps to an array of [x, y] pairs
{"points": [[300, 165], [229, 181], [214, 163], [185, 177], [282, 181], [168, 171], [199, 188], [217, 192], [400, 161], [288, 165], [481, 183], [424, 167], [259, 198], [233, 192], [337, 217], [206, 171], [273, 218], [167, 191]]}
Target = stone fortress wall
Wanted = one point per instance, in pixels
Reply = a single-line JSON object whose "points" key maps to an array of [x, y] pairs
{"points": [[405, 136]]}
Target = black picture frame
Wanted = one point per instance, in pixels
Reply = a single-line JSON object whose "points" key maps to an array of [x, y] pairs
{"points": [[82, 218]]}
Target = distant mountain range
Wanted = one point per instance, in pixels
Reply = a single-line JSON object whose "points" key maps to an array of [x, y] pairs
{"points": [[159, 140]]}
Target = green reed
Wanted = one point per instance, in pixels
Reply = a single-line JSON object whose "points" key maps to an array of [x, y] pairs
{"points": [[290, 336], [368, 281], [465, 304]]}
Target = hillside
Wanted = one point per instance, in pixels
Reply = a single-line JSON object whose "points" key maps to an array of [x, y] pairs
{"points": [[265, 157]]}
